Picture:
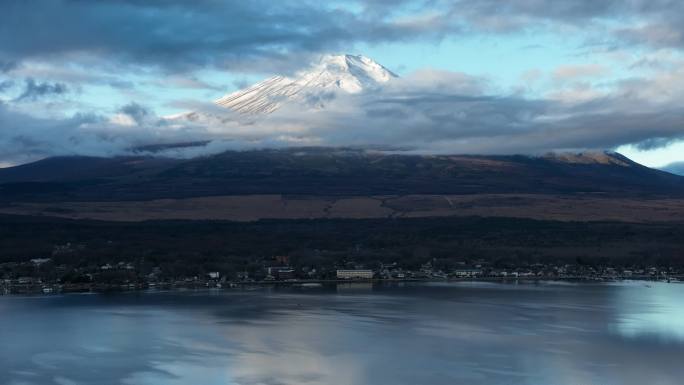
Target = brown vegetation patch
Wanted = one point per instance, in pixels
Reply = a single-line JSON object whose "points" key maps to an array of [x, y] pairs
{"points": [[255, 207]]}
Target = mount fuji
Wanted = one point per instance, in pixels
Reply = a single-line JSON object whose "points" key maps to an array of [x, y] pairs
{"points": [[313, 87]]}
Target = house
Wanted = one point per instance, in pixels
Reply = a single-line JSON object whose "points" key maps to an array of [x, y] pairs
{"points": [[426, 268], [242, 275], [25, 280]]}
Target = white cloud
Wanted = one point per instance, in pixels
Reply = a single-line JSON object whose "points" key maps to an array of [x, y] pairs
{"points": [[122, 120], [573, 72], [426, 111]]}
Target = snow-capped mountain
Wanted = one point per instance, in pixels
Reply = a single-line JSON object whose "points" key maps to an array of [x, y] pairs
{"points": [[313, 87]]}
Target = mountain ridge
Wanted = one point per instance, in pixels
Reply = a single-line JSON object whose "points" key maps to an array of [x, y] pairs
{"points": [[330, 171]]}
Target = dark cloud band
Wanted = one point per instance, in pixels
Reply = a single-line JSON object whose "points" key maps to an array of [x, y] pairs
{"points": [[260, 34], [35, 90]]}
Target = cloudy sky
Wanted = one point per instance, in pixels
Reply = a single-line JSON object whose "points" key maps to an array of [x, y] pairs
{"points": [[477, 76]]}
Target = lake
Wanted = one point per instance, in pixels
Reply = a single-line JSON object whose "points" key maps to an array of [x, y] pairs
{"points": [[411, 333]]}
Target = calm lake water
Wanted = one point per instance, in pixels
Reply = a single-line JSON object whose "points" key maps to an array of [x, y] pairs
{"points": [[435, 333]]}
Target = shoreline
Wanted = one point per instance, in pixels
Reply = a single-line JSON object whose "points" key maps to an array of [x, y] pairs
{"points": [[101, 288]]}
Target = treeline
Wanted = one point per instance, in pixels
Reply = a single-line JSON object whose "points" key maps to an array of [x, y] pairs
{"points": [[186, 248]]}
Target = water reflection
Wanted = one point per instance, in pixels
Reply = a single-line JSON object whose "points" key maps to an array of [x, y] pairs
{"points": [[354, 287], [474, 333], [651, 311]]}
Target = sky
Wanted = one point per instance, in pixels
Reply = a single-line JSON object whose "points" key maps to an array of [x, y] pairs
{"points": [[485, 76]]}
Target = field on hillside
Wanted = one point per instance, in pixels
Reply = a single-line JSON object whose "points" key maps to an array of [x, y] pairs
{"points": [[255, 207]]}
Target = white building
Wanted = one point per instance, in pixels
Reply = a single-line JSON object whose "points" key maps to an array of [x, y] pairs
{"points": [[354, 274]]}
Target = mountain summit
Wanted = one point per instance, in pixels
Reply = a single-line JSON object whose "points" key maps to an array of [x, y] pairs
{"points": [[313, 87]]}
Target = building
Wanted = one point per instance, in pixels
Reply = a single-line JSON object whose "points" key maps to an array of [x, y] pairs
{"points": [[40, 261], [354, 274], [242, 275], [467, 273], [281, 272]]}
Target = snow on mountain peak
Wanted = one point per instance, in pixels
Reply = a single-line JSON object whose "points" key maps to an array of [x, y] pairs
{"points": [[314, 87], [364, 69]]}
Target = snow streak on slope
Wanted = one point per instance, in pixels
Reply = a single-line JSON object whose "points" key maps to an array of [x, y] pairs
{"points": [[313, 88]]}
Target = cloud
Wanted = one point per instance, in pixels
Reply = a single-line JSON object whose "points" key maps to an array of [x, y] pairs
{"points": [[470, 118], [241, 83], [33, 90], [75, 74], [191, 82], [572, 72], [654, 34], [428, 111], [124, 44], [655, 143], [267, 36], [26, 138], [136, 112], [675, 168], [5, 84], [432, 111], [178, 35], [7, 66]]}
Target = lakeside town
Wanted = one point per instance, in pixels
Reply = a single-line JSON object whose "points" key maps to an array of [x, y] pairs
{"points": [[42, 275]]}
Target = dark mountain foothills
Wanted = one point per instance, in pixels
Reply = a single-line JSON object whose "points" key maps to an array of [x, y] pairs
{"points": [[330, 172], [233, 211]]}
